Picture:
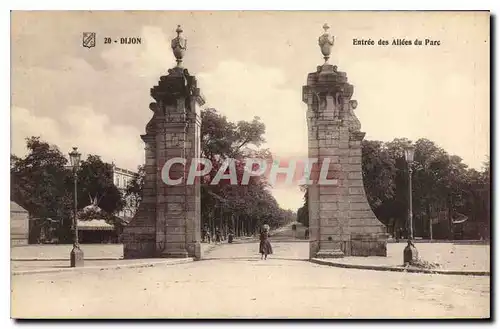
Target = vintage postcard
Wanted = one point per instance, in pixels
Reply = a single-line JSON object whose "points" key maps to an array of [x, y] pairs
{"points": [[250, 164]]}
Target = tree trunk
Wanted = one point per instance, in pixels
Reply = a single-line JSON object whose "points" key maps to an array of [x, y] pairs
{"points": [[237, 225], [429, 216]]}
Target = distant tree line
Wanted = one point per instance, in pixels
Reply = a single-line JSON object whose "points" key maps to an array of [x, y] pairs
{"points": [[444, 189]]}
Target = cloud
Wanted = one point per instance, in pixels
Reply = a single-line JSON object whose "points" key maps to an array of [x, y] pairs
{"points": [[149, 59], [103, 112], [98, 98], [244, 90], [92, 133], [414, 104]]}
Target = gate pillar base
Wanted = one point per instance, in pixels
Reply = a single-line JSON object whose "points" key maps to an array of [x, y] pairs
{"points": [[175, 253], [330, 253]]}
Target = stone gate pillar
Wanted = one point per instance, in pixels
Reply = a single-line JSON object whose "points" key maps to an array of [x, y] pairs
{"points": [[341, 220], [167, 223]]}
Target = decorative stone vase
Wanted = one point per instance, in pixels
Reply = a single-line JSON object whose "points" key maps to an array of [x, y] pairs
{"points": [[326, 48], [179, 45], [325, 43]]}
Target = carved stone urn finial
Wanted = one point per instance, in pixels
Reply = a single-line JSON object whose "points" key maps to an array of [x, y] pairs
{"points": [[325, 43], [179, 46]]}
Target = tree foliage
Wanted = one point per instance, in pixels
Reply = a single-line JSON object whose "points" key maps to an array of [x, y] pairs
{"points": [[95, 180], [43, 184], [134, 186], [303, 212], [40, 181], [442, 186], [240, 208]]}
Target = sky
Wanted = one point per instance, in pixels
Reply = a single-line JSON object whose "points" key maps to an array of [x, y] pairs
{"points": [[249, 64]]}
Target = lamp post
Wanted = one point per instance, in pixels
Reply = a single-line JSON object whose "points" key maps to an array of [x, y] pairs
{"points": [[410, 254], [76, 255]]}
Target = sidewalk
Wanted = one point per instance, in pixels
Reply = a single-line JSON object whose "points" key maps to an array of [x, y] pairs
{"points": [[51, 252], [35, 265], [452, 259]]}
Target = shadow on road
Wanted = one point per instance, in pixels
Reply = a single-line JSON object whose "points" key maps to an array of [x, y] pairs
{"points": [[255, 259]]}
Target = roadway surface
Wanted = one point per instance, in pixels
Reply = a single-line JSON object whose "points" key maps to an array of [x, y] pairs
{"points": [[233, 282]]}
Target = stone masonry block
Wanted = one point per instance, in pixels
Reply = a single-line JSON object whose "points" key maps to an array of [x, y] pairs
{"points": [[328, 206], [354, 143], [356, 191], [334, 231], [355, 160], [361, 214], [328, 214], [332, 189], [358, 198], [343, 145], [330, 245], [355, 183], [174, 190], [355, 175], [344, 160], [357, 206], [358, 223], [352, 168], [174, 198], [343, 205], [355, 152], [176, 238], [175, 207], [332, 198]]}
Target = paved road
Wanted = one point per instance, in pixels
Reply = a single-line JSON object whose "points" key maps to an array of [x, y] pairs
{"points": [[234, 282]]}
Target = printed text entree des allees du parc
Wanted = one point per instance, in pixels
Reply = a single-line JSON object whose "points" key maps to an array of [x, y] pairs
{"points": [[396, 42]]}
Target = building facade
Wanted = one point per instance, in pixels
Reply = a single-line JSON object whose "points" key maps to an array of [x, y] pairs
{"points": [[19, 225], [121, 178]]}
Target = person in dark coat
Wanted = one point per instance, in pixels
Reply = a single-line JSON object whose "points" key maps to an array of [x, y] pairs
{"points": [[265, 247], [218, 236], [204, 235]]}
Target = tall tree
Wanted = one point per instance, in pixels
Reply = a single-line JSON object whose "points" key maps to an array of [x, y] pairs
{"points": [[134, 186], [42, 183], [39, 183], [443, 187], [251, 204], [95, 180], [379, 177], [303, 212]]}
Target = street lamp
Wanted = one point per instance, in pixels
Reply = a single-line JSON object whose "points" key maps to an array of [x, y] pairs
{"points": [[410, 254], [76, 255]]}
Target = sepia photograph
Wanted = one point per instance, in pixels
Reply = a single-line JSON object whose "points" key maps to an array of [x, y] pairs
{"points": [[250, 165]]}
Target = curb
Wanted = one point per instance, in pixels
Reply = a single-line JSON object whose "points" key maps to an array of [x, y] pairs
{"points": [[456, 242], [209, 249], [61, 259], [398, 268], [109, 267]]}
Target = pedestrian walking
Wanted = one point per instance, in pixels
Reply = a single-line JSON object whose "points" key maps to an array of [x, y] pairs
{"points": [[265, 247], [218, 236], [204, 235]]}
